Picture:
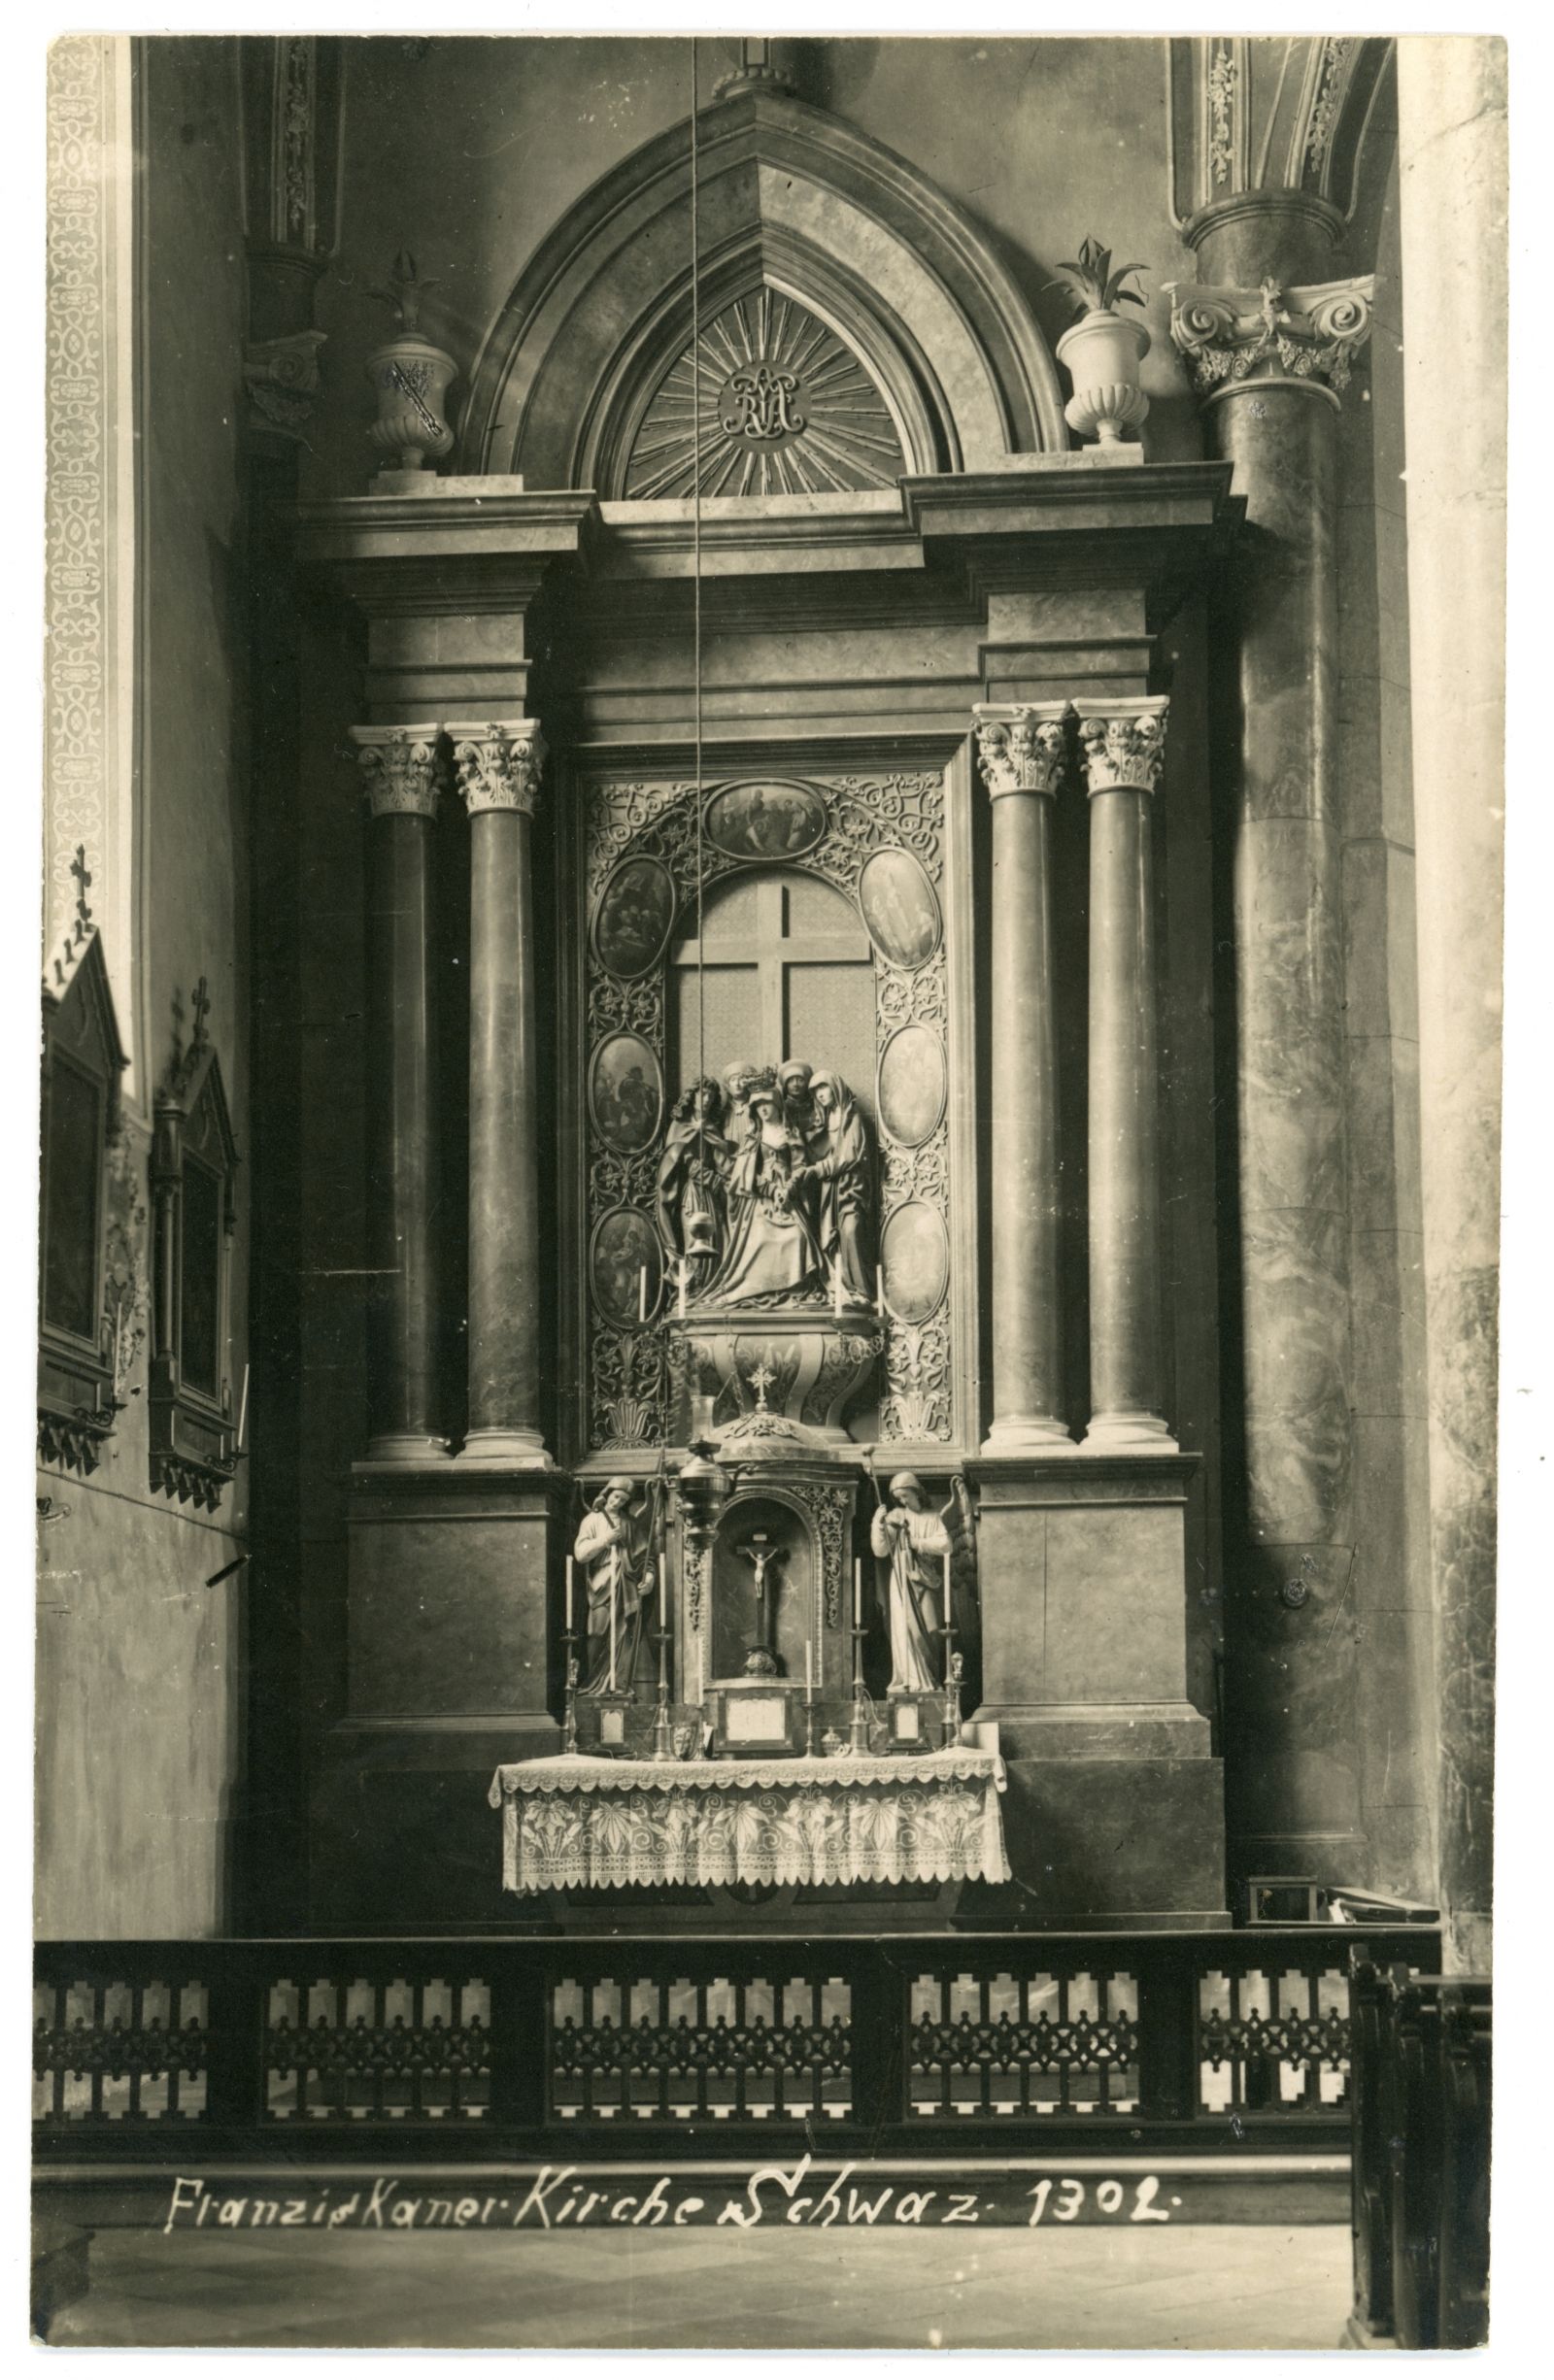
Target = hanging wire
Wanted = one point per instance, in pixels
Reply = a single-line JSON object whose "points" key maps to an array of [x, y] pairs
{"points": [[695, 558]]}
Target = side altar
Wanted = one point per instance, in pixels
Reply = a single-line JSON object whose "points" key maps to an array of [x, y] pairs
{"points": [[787, 1252]]}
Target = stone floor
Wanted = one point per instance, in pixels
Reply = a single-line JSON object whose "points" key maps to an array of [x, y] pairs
{"points": [[1210, 2286]]}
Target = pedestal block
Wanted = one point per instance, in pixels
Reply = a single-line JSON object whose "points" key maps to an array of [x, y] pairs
{"points": [[453, 1614], [1115, 1805]]}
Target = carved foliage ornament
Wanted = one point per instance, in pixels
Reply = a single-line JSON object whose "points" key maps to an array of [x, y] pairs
{"points": [[400, 770], [1228, 336], [282, 379], [1124, 746], [498, 765], [1023, 750]]}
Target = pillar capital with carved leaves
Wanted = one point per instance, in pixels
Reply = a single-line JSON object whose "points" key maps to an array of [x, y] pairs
{"points": [[1023, 752], [498, 765], [1123, 743], [1305, 340], [400, 772]]}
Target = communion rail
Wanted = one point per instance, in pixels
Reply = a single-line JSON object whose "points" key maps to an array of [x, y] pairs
{"points": [[1221, 2044]]}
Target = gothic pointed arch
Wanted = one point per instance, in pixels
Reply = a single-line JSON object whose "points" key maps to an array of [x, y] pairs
{"points": [[926, 353]]}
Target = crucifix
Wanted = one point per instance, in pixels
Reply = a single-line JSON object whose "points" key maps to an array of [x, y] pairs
{"points": [[763, 1555], [83, 876]]}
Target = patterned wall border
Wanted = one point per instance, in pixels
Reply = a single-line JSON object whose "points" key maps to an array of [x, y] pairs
{"points": [[89, 657]]}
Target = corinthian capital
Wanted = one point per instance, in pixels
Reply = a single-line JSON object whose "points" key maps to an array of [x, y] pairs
{"points": [[399, 770], [499, 763], [1125, 744], [1021, 746], [1231, 337]]}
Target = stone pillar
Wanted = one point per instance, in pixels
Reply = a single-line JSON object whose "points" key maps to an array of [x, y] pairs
{"points": [[1123, 745], [399, 770], [1023, 750], [498, 765], [1268, 362], [1452, 157]]}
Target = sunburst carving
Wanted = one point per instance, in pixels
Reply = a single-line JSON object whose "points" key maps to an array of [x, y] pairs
{"points": [[777, 406]]}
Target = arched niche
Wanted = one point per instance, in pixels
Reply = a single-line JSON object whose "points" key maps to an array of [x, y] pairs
{"points": [[793, 201], [775, 1514]]}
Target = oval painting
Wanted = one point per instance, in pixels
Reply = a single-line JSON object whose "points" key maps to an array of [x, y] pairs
{"points": [[635, 917], [764, 821], [900, 909], [625, 1093], [912, 1085], [625, 1246], [915, 1257]]}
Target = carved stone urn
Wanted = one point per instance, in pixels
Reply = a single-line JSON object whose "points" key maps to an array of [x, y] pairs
{"points": [[1104, 349], [1103, 352], [778, 1382], [410, 377]]}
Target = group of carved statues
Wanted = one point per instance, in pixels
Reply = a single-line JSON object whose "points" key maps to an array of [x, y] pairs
{"points": [[764, 1188], [921, 1556]]}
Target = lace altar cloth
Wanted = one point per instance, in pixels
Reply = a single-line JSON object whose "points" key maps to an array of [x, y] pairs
{"points": [[883, 1819]]}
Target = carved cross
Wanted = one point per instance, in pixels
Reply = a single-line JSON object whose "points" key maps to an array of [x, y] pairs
{"points": [[760, 1380], [201, 1005], [83, 876]]}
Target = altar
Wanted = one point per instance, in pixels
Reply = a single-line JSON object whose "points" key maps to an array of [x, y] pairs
{"points": [[574, 1821]]}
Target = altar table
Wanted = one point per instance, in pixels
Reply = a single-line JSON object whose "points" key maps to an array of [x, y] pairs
{"points": [[902, 1818]]}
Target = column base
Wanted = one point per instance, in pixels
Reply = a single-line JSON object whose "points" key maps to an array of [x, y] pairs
{"points": [[505, 1450], [1128, 1434], [1028, 1433], [406, 1446]]}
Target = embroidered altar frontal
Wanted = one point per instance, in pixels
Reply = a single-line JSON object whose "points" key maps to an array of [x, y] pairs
{"points": [[573, 1821]]}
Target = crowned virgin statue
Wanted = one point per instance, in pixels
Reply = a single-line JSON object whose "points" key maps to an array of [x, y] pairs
{"points": [[772, 1247]]}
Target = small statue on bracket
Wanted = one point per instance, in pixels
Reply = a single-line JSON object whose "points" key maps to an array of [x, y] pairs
{"points": [[922, 1553], [613, 1549]]}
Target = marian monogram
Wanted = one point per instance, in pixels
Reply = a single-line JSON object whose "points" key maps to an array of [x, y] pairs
{"points": [[760, 403]]}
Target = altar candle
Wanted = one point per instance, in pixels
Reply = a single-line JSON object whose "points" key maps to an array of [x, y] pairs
{"points": [[569, 1594], [879, 1291], [642, 1294], [682, 1289], [946, 1590], [809, 1667], [701, 1673], [858, 1595]]}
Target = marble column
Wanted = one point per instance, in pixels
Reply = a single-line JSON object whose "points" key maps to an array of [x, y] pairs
{"points": [[1124, 743], [1023, 750], [498, 765], [1452, 157], [1270, 353], [399, 771]]}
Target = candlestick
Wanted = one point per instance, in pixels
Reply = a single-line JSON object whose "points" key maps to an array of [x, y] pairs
{"points": [[701, 1674], [569, 1594], [809, 1666], [858, 1595]]}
